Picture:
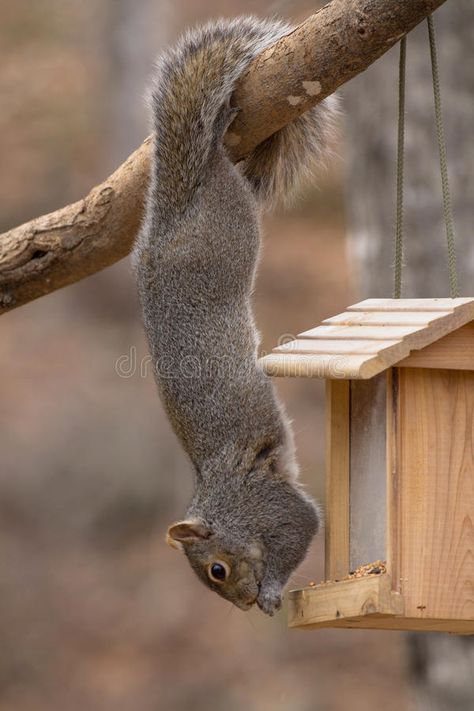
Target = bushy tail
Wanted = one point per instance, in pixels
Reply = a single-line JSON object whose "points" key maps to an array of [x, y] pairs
{"points": [[280, 165], [190, 104]]}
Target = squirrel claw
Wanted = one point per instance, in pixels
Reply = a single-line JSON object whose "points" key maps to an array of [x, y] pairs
{"points": [[269, 603]]}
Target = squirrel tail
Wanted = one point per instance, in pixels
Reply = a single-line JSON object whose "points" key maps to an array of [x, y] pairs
{"points": [[190, 107]]}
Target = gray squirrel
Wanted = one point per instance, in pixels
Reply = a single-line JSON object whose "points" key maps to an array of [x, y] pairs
{"points": [[249, 523]]}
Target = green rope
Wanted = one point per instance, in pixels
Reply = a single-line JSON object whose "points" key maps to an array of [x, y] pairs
{"points": [[447, 209], [448, 213], [398, 264]]}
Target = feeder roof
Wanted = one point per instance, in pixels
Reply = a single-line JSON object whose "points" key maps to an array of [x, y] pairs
{"points": [[368, 337]]}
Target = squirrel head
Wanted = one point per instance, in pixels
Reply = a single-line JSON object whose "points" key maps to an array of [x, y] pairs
{"points": [[246, 539], [233, 571]]}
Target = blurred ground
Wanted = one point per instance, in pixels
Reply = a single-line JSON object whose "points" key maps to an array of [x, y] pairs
{"points": [[96, 612]]}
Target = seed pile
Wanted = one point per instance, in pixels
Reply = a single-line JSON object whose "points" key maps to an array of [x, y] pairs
{"points": [[376, 568]]}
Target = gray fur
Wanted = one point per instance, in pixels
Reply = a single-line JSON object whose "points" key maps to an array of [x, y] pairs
{"points": [[195, 262]]}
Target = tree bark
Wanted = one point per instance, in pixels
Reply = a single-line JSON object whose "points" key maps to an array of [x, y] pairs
{"points": [[441, 666], [301, 69]]}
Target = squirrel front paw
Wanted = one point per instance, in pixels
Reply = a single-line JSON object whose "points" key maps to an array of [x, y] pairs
{"points": [[269, 601]]}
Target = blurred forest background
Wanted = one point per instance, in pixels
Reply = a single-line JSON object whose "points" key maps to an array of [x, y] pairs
{"points": [[96, 611]]}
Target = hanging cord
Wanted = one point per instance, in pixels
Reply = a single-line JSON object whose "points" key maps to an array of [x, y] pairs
{"points": [[397, 289], [447, 209]]}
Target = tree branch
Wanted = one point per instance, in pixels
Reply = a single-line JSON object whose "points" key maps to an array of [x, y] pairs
{"points": [[301, 69]]}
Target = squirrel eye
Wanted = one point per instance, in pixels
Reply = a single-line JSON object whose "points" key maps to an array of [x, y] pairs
{"points": [[218, 571]]}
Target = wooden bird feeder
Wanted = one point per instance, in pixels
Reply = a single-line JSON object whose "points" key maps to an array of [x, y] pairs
{"points": [[400, 464]]}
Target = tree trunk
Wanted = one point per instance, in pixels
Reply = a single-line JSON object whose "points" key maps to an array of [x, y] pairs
{"points": [[136, 34], [441, 666]]}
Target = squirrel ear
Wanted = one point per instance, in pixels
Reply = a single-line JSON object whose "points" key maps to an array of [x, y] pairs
{"points": [[189, 531]]}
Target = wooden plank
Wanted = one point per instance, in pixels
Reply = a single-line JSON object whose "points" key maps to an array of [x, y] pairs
{"points": [[346, 600], [454, 351], [359, 358], [411, 304], [362, 603], [436, 471], [334, 347], [337, 480], [393, 487], [322, 366], [388, 318], [368, 479], [376, 333], [390, 622]]}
